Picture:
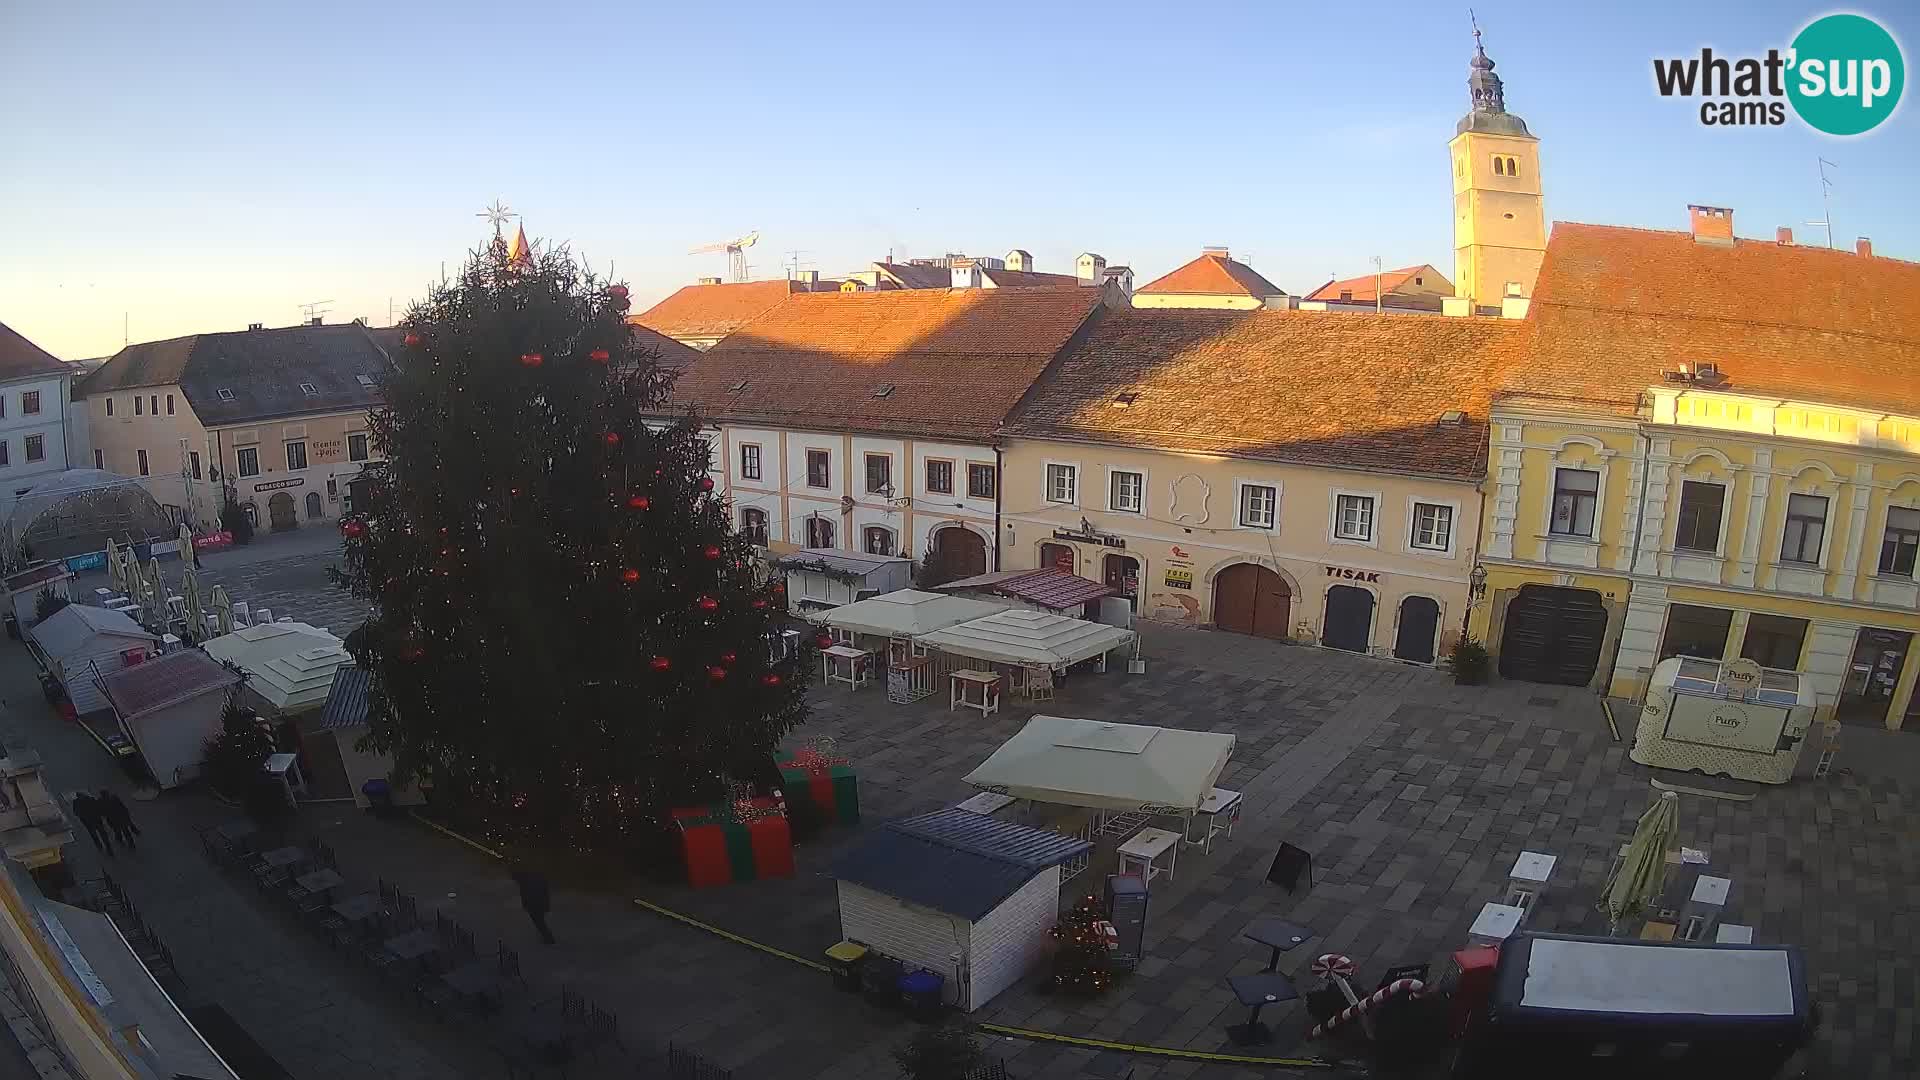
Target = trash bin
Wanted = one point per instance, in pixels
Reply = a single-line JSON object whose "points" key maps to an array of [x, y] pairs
{"points": [[880, 979], [379, 795], [844, 961], [920, 994]]}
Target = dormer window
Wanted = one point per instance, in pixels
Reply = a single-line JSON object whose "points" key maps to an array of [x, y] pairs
{"points": [[365, 380], [309, 389], [1126, 400], [225, 394], [737, 387], [883, 390]]}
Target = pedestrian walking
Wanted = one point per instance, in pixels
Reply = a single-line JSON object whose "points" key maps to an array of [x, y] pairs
{"points": [[118, 818], [535, 898], [88, 810]]}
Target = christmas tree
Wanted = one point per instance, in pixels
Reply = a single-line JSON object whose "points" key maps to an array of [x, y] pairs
{"points": [[568, 636], [1080, 949]]}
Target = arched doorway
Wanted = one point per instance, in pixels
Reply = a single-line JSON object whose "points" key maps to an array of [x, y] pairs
{"points": [[1057, 556], [1349, 622], [1553, 635], [958, 552], [313, 505], [1419, 618], [1251, 599], [280, 512], [1122, 574]]}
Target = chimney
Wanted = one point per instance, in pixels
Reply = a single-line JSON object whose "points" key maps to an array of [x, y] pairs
{"points": [[706, 281], [315, 322], [1783, 236], [808, 278], [1712, 224], [1220, 252], [256, 326], [1863, 247]]}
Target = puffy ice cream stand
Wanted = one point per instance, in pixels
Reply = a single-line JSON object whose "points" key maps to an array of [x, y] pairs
{"points": [[1732, 718]]}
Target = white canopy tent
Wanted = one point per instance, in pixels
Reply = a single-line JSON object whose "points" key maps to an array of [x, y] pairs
{"points": [[290, 665], [1029, 638], [1090, 763], [908, 613]]}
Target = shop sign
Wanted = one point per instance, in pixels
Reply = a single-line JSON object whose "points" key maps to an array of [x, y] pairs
{"points": [[1088, 536], [275, 485], [329, 450], [1179, 579], [1371, 577]]}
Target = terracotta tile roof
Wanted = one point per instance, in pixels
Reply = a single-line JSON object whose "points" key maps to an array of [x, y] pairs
{"points": [[1214, 275], [1050, 587], [1354, 390], [1027, 279], [917, 277], [713, 310], [672, 353], [1616, 308], [1361, 288], [20, 358], [957, 360]]}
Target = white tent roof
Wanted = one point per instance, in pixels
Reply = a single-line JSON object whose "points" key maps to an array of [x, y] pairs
{"points": [[1091, 763], [1028, 637], [72, 630], [290, 664], [906, 613]]}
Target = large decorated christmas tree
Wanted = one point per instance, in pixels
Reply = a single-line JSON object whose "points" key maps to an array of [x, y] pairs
{"points": [[568, 636]]}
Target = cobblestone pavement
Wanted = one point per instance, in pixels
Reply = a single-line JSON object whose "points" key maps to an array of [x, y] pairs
{"points": [[1413, 795], [284, 572]]}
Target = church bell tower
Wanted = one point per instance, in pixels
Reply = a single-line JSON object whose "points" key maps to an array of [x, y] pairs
{"points": [[1499, 216]]}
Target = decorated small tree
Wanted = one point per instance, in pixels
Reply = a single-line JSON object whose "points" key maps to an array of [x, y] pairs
{"points": [[234, 756], [1080, 949], [568, 635]]}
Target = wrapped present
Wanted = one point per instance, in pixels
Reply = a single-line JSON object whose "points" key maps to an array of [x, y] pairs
{"points": [[705, 848], [827, 782], [727, 842]]}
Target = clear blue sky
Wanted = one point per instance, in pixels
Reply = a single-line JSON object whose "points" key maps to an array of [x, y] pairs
{"points": [[200, 166]]}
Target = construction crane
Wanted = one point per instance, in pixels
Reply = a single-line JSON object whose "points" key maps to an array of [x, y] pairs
{"points": [[736, 254]]}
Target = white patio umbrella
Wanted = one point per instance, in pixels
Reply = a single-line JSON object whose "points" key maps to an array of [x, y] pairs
{"points": [[222, 610], [186, 546], [1641, 873], [196, 614], [158, 583], [115, 580]]}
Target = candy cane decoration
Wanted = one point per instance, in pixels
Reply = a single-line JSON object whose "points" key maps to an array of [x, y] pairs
{"points": [[1328, 965], [1412, 988]]}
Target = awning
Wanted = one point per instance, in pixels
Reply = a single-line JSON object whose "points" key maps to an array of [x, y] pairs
{"points": [[908, 613], [1049, 587], [1091, 763], [1028, 637], [290, 664]]}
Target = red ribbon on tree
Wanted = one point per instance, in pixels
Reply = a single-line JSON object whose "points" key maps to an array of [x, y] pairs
{"points": [[532, 359], [599, 356]]}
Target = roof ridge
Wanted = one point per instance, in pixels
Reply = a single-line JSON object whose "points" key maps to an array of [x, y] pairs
{"points": [[1759, 241], [1725, 320]]}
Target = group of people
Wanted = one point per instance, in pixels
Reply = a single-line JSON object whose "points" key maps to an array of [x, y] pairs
{"points": [[107, 819]]}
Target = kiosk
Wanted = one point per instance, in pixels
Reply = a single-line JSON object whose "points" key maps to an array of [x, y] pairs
{"points": [[1731, 718]]}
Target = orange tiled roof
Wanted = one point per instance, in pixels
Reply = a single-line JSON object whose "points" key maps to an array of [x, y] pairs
{"points": [[1307, 387], [957, 359], [713, 310], [1361, 288], [672, 353], [1214, 275], [1616, 308]]}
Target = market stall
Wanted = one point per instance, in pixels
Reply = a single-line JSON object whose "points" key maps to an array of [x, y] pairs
{"points": [[1027, 641], [1050, 590], [828, 577], [902, 618], [289, 665], [1733, 719], [79, 641], [169, 708]]}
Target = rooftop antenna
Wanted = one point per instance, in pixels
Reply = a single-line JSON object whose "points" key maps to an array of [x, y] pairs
{"points": [[314, 310], [1376, 284], [497, 215], [1826, 201]]}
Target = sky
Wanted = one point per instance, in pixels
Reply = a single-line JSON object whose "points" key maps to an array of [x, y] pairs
{"points": [[190, 167]]}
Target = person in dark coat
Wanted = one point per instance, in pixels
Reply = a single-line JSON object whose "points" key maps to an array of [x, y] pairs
{"points": [[88, 810], [536, 898], [118, 818]]}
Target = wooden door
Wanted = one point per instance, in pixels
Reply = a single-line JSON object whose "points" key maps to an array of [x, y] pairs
{"points": [[1349, 622], [1553, 635], [280, 512], [959, 552], [1122, 574], [1249, 599], [1419, 618]]}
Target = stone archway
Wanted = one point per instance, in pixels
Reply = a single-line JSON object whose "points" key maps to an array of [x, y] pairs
{"points": [[281, 513], [954, 552], [1251, 599]]}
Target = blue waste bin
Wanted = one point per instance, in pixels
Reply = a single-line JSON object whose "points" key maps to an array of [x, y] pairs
{"points": [[920, 994]]}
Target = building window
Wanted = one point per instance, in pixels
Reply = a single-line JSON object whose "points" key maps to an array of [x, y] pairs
{"points": [[1576, 493], [357, 447], [1499, 165], [753, 526], [1432, 526], [1902, 542], [819, 532], [749, 461], [193, 463], [1806, 529], [142, 456], [1774, 641], [939, 476], [36, 448], [879, 540], [981, 481], [880, 475], [169, 404], [109, 406], [1353, 517], [3, 404], [1258, 503], [139, 405], [1696, 631], [819, 470], [1062, 483], [99, 459], [296, 455], [248, 460], [153, 404], [1126, 491], [309, 389], [5, 447], [30, 403], [1700, 506]]}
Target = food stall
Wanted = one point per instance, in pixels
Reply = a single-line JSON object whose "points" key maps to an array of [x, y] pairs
{"points": [[1030, 642], [1731, 718], [169, 708], [828, 577], [902, 618]]}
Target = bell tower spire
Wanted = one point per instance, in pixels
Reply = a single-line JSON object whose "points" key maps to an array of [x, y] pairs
{"points": [[1499, 213]]}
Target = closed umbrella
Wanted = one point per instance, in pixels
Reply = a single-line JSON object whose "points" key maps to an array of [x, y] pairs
{"points": [[1641, 873], [158, 583], [186, 546], [196, 615], [222, 610], [115, 580]]}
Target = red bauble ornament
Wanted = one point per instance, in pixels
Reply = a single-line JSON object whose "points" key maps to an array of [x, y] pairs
{"points": [[760, 603], [613, 438], [629, 575], [729, 657], [618, 292], [411, 341], [779, 587], [532, 359], [712, 552], [823, 640], [353, 529], [660, 663], [716, 673], [639, 502], [599, 356], [706, 483], [708, 603], [770, 679]]}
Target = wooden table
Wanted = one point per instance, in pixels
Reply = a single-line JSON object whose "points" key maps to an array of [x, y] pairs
{"points": [[987, 681], [284, 856], [413, 944], [359, 908], [857, 667], [1218, 805], [986, 804], [1138, 855], [320, 881]]}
